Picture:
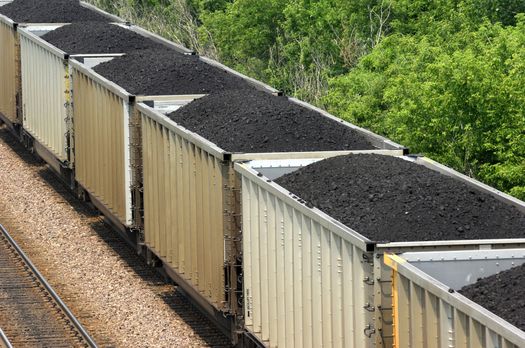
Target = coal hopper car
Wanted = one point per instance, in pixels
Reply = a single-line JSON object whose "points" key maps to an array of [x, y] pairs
{"points": [[209, 204]]}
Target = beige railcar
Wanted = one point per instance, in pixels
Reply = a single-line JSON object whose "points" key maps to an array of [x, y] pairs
{"points": [[427, 313], [311, 281], [192, 204], [9, 71]]}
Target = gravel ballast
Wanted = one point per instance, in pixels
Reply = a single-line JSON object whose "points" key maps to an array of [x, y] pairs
{"points": [[253, 121], [385, 198], [98, 37], [161, 72], [503, 294], [49, 11]]}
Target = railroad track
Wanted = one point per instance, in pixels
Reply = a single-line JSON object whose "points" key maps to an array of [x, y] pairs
{"points": [[4, 341], [31, 313]]}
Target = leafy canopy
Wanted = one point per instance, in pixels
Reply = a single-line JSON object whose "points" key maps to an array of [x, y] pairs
{"points": [[456, 95]]}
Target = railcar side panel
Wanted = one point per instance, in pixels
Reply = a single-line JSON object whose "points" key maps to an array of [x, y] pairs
{"points": [[45, 79], [103, 117], [9, 88], [179, 172], [303, 275]]}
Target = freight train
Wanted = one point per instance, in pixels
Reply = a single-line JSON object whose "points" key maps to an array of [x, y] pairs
{"points": [[270, 269]]}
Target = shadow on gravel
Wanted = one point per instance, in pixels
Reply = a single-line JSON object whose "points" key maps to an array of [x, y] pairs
{"points": [[159, 284], [163, 287], [41, 168]]}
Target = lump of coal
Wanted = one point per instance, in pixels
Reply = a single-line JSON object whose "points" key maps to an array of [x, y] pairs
{"points": [[49, 11], [416, 204], [255, 121]]}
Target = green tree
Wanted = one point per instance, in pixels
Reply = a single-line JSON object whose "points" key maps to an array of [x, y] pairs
{"points": [[296, 45], [455, 96], [416, 17]]}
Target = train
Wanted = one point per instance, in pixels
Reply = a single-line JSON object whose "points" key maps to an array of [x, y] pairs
{"points": [[267, 268]]}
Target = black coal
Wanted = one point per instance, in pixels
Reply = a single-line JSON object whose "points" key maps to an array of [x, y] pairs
{"points": [[256, 121], [166, 72], [390, 199], [98, 37], [503, 294], [49, 11]]}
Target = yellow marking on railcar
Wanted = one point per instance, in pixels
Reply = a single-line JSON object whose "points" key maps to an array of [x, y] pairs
{"points": [[392, 260], [66, 67]]}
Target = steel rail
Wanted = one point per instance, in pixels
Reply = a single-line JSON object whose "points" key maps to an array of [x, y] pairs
{"points": [[48, 287], [4, 341]]}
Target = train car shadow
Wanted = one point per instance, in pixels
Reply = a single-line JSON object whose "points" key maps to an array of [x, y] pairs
{"points": [[162, 286]]}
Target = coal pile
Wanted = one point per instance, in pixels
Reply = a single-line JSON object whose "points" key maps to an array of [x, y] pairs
{"points": [[49, 11], [503, 294], [255, 121], [389, 199], [161, 72], [98, 37]]}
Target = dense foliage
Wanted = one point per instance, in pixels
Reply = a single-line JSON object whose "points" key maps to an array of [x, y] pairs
{"points": [[443, 77], [455, 93], [294, 45]]}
